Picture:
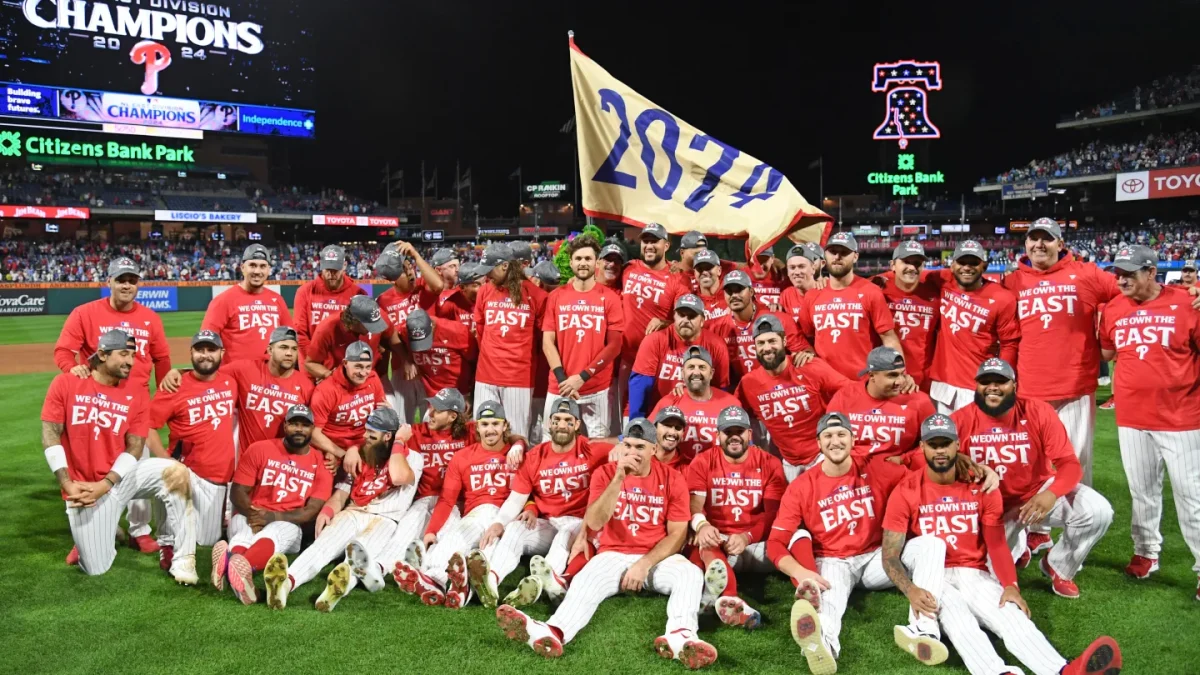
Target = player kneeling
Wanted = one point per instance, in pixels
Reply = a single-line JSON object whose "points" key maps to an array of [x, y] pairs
{"points": [[278, 485], [640, 507]]}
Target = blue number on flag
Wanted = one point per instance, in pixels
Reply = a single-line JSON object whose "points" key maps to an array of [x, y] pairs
{"points": [[712, 177], [774, 180], [607, 173], [670, 144]]}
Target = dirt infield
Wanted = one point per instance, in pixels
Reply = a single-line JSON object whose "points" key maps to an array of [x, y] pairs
{"points": [[24, 359]]}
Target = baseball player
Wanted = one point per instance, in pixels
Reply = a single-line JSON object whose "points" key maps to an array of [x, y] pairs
{"points": [[1187, 277], [199, 417], [669, 425], [479, 474], [244, 315], [1020, 438], [361, 320], [1154, 335], [700, 402], [93, 431], [737, 330], [648, 295], [827, 539], [78, 342], [581, 337], [935, 503], [508, 316], [441, 349], [788, 399], [975, 315], [445, 261], [849, 316], [640, 508], [522, 253], [458, 302], [707, 270], [278, 486], [342, 402], [396, 264], [886, 421], [266, 389], [658, 368], [769, 278], [327, 294], [542, 515], [610, 266], [803, 267], [915, 305], [545, 275], [690, 245], [735, 496], [358, 519]]}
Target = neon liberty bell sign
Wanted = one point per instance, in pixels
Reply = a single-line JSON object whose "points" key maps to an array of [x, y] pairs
{"points": [[906, 110]]}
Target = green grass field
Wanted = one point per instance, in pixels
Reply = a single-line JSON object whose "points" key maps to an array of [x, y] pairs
{"points": [[135, 619]]}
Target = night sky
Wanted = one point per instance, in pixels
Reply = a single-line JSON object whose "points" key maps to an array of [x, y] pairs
{"points": [[489, 83]]}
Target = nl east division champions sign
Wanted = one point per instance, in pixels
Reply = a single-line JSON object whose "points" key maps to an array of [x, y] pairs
{"points": [[906, 86]]}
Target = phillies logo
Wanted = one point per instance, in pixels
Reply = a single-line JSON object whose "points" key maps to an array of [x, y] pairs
{"points": [[155, 57]]}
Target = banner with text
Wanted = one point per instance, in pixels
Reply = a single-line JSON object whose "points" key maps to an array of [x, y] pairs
{"points": [[22, 303], [1158, 184], [640, 164], [356, 221], [205, 216], [157, 298], [1027, 190], [56, 212]]}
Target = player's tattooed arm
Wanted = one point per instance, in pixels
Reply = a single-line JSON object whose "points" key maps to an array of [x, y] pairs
{"points": [[893, 546], [51, 433], [134, 445]]}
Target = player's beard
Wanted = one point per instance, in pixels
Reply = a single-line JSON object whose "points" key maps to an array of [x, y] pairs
{"points": [[651, 257], [696, 384], [932, 464], [1009, 401], [562, 437], [839, 270], [774, 360], [583, 273], [739, 447], [377, 454], [686, 331], [206, 367], [297, 441]]}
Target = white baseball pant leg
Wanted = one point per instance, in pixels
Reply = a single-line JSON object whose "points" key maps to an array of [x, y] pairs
{"points": [[515, 400], [537, 425], [792, 471], [1144, 454], [621, 397], [408, 397], [925, 558], [753, 560], [1078, 415], [209, 502], [594, 408], [95, 529], [970, 599], [1084, 516], [950, 398], [843, 574], [140, 509], [459, 538], [285, 536], [409, 529], [518, 540], [345, 527], [600, 579], [566, 528]]}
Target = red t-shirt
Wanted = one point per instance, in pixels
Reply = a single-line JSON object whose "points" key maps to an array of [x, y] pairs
{"points": [[971, 324], [581, 321], [280, 481], [443, 366], [790, 301], [845, 515], [737, 496], [885, 427], [701, 430], [645, 505], [437, 448], [264, 399], [330, 339], [341, 409], [916, 317], [739, 339], [482, 473], [397, 306], [661, 356], [95, 419], [200, 417], [790, 405], [558, 481], [315, 302], [86, 323], [846, 323], [245, 320], [509, 335], [370, 483], [955, 513], [768, 289], [453, 304], [715, 305], [687, 278], [1057, 309], [1157, 380], [646, 294]]}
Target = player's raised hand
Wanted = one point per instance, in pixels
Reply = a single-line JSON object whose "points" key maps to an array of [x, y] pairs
{"points": [[171, 381], [627, 465], [81, 371], [491, 535], [404, 433], [922, 601], [1013, 594], [635, 577], [1195, 291], [907, 384], [1035, 510]]}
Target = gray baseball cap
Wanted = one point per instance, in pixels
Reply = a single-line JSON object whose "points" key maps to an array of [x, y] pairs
{"points": [[1189, 265], [804, 251], [299, 411], [938, 426], [115, 339], [614, 249], [366, 311], [441, 257], [994, 366], [844, 239], [906, 249], [123, 265], [670, 413], [494, 256], [208, 337], [383, 419], [736, 278], [390, 264], [1047, 225], [1134, 258], [420, 330], [640, 427], [834, 419], [690, 301], [968, 248], [521, 250], [818, 253], [468, 273], [568, 406], [732, 417], [449, 399], [654, 230], [490, 410], [282, 333], [547, 272], [697, 352], [359, 352], [693, 239], [706, 257], [881, 359], [768, 323], [333, 257], [256, 252]]}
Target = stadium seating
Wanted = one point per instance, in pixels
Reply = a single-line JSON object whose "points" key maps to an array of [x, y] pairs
{"points": [[1164, 92], [1100, 157]]}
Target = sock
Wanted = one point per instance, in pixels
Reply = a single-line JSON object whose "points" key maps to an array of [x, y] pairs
{"points": [[557, 632], [259, 553], [704, 556], [803, 554], [237, 550], [574, 566]]}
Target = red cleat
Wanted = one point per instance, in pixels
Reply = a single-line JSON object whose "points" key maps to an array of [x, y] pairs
{"points": [[1110, 404], [1102, 657], [144, 543], [1038, 542], [165, 555], [1140, 567], [406, 577], [1064, 588], [809, 590], [73, 556], [1023, 561]]}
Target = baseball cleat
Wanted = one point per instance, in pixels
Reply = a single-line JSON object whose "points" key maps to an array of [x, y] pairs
{"points": [[527, 592], [810, 592], [924, 647], [1110, 404], [165, 555], [482, 579], [275, 578], [364, 567], [735, 612], [406, 577], [1140, 567], [144, 544], [1024, 560], [241, 579], [1064, 588], [73, 556], [183, 568], [428, 590], [806, 631], [338, 584], [1102, 657], [414, 555], [220, 560], [1038, 542], [457, 584], [716, 578], [688, 649], [553, 584], [519, 627]]}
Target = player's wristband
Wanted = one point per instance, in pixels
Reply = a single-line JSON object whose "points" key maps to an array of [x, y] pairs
{"points": [[327, 511], [56, 457], [560, 374], [585, 375], [124, 464], [698, 521]]}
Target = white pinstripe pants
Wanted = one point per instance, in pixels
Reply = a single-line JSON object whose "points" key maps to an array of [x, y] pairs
{"points": [[517, 402], [408, 397], [209, 501], [600, 579], [792, 471], [1144, 454], [458, 537], [1078, 415], [140, 509], [950, 398], [548, 537], [372, 531], [285, 536], [594, 408], [409, 529], [1084, 515], [95, 529], [971, 598]]}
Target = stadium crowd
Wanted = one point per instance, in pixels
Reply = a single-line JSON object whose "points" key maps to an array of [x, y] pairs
{"points": [[1172, 241], [1164, 92], [1160, 150]]}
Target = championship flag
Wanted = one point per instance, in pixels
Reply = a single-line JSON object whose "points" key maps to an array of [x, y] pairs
{"points": [[640, 164]]}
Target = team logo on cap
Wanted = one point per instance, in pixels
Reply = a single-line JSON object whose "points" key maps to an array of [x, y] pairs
{"points": [[993, 364], [331, 255], [939, 422], [418, 333]]}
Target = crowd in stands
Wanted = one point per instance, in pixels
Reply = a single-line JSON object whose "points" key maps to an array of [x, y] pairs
{"points": [[1173, 241], [1100, 157], [1163, 92], [295, 199]]}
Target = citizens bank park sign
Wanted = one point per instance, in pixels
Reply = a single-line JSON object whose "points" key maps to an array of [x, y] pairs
{"points": [[1158, 184]]}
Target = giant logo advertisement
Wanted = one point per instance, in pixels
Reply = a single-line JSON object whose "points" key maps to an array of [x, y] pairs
{"points": [[22, 302], [1158, 184]]}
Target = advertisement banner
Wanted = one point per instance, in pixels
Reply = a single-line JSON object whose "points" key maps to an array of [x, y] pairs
{"points": [[356, 221], [1028, 190], [494, 231], [28, 100], [1133, 186], [22, 302], [56, 212], [205, 216], [157, 298], [536, 231], [151, 111], [277, 121], [1158, 184], [549, 189]]}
